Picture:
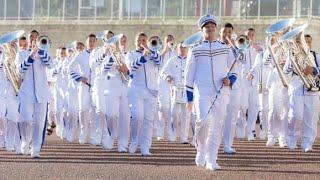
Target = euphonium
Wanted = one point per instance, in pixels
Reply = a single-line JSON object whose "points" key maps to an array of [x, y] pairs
{"points": [[276, 50], [116, 56], [9, 53], [301, 56]]}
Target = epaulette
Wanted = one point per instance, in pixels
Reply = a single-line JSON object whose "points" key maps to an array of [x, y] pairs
{"points": [[221, 42], [196, 44]]}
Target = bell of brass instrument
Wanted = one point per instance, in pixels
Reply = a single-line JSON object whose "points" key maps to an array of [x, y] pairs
{"points": [[193, 39], [294, 40], [155, 44], [43, 42], [277, 50], [116, 56], [9, 53]]}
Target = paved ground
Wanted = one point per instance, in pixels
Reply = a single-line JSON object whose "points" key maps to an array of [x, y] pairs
{"points": [[61, 160]]}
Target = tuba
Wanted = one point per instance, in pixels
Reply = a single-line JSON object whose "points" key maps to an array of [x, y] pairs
{"points": [[9, 55], [277, 50], [295, 42], [116, 56]]}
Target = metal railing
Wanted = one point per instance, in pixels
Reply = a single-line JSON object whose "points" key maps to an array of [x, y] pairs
{"points": [[155, 9]]}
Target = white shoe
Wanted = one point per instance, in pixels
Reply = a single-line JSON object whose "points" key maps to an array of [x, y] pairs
{"points": [[159, 138], [229, 150], [145, 153], [133, 147], [250, 137], [263, 135], [282, 143], [292, 144], [213, 166], [35, 154], [122, 150], [271, 142], [307, 149], [200, 160], [240, 132]]}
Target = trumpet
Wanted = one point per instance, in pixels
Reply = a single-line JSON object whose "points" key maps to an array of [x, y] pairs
{"points": [[155, 44], [43, 42]]}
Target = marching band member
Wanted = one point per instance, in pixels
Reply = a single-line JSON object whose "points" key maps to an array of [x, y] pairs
{"points": [[208, 85], [233, 106], [304, 105], [174, 73], [52, 119], [249, 94], [163, 125], [60, 89], [12, 115], [260, 71], [80, 72], [73, 94], [34, 96], [99, 79], [142, 93], [117, 113], [278, 105], [2, 102]]}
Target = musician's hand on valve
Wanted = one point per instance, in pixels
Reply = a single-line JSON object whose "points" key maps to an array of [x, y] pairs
{"points": [[249, 76], [226, 81], [122, 68], [145, 52], [308, 70]]}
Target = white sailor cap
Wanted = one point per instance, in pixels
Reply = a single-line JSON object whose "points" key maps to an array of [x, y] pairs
{"points": [[205, 19]]}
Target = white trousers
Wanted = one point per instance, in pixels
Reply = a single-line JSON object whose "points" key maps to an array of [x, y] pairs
{"points": [[264, 109], [249, 106], [278, 113], [84, 112], [303, 118], [72, 115], [180, 119], [233, 108], [143, 106], [33, 115], [163, 125], [208, 127], [118, 116]]}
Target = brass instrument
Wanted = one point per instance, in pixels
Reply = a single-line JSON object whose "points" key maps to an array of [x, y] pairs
{"points": [[155, 44], [10, 52], [43, 42], [117, 56], [277, 50], [240, 46], [193, 39], [295, 42]]}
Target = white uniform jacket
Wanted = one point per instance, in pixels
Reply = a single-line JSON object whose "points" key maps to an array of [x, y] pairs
{"points": [[144, 71], [207, 64], [34, 87]]}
